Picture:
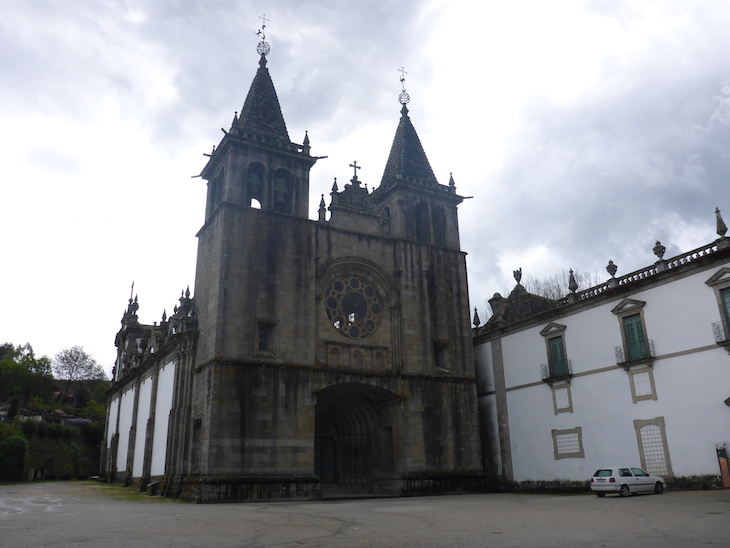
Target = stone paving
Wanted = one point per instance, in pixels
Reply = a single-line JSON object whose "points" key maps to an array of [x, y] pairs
{"points": [[89, 514]]}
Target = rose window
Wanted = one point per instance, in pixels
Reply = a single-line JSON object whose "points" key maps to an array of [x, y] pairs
{"points": [[353, 307]]}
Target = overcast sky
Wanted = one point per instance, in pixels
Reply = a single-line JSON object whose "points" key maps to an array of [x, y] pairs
{"points": [[584, 130]]}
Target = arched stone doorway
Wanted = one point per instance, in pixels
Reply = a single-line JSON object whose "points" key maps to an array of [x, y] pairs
{"points": [[353, 438]]}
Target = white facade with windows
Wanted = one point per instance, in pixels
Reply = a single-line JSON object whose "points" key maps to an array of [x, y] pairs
{"points": [[635, 371]]}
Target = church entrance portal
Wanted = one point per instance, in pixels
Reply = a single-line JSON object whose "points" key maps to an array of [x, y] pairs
{"points": [[353, 440]]}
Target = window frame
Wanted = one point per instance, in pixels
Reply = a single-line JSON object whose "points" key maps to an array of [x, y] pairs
{"points": [[658, 421], [638, 370], [720, 281], [580, 454], [625, 309], [559, 386], [550, 333]]}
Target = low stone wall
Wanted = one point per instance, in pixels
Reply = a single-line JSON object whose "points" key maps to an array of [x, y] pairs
{"points": [[249, 488], [443, 483]]}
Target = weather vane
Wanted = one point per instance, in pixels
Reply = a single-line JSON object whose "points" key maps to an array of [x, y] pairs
{"points": [[403, 98], [263, 47]]}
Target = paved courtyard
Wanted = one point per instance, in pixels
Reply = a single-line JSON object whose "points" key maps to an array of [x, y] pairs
{"points": [[81, 514]]}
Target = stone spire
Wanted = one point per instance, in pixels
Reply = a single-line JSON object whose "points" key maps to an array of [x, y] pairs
{"points": [[407, 161], [261, 113]]}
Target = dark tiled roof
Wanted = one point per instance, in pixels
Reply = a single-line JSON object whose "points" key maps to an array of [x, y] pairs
{"points": [[407, 160], [522, 305], [261, 113]]}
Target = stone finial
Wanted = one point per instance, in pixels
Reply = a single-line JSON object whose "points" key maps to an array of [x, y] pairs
{"points": [[499, 307], [305, 145], [659, 250], [572, 284], [517, 274], [452, 184], [334, 187], [476, 321], [611, 268], [721, 227], [322, 210]]}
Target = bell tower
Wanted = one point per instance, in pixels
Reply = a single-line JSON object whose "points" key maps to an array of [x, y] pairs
{"points": [[256, 164]]}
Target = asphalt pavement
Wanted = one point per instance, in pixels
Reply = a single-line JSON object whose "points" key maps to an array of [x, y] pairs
{"points": [[90, 514]]}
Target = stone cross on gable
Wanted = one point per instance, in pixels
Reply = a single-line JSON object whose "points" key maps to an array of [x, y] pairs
{"points": [[355, 167]]}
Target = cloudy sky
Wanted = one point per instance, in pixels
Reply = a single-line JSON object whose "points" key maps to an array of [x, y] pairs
{"points": [[584, 130]]}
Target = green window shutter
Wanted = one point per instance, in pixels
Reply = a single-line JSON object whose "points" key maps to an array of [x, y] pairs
{"points": [[558, 363], [725, 296], [636, 347]]}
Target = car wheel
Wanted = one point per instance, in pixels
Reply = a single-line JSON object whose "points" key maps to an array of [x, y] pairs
{"points": [[600, 494], [624, 491], [659, 488]]}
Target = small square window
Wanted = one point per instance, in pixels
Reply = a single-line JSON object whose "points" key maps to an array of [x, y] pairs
{"points": [[568, 444]]}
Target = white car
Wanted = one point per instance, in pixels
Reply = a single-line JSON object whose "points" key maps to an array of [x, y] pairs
{"points": [[625, 482]]}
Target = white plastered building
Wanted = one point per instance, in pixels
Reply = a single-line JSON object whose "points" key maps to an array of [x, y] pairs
{"points": [[635, 371]]}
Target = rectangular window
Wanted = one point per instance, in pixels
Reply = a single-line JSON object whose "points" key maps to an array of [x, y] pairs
{"points": [[568, 444], [265, 344], [636, 347], [440, 355]]}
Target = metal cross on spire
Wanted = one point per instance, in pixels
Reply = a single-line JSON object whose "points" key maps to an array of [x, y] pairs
{"points": [[263, 47], [403, 98]]}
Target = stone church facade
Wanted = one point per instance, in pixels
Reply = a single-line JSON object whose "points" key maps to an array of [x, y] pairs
{"points": [[315, 356]]}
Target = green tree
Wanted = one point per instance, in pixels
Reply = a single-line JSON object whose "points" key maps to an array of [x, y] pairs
{"points": [[74, 365], [23, 377], [13, 458]]}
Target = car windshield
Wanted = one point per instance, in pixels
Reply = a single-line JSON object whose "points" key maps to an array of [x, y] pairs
{"points": [[603, 473]]}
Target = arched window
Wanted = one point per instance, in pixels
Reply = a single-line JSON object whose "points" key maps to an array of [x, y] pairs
{"points": [[422, 227], [282, 191], [439, 225], [255, 184]]}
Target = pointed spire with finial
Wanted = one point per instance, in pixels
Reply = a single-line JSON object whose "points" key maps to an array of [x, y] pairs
{"points": [[572, 283], [407, 161], [721, 227], [305, 144], [476, 321], [334, 186], [322, 210], [261, 112]]}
